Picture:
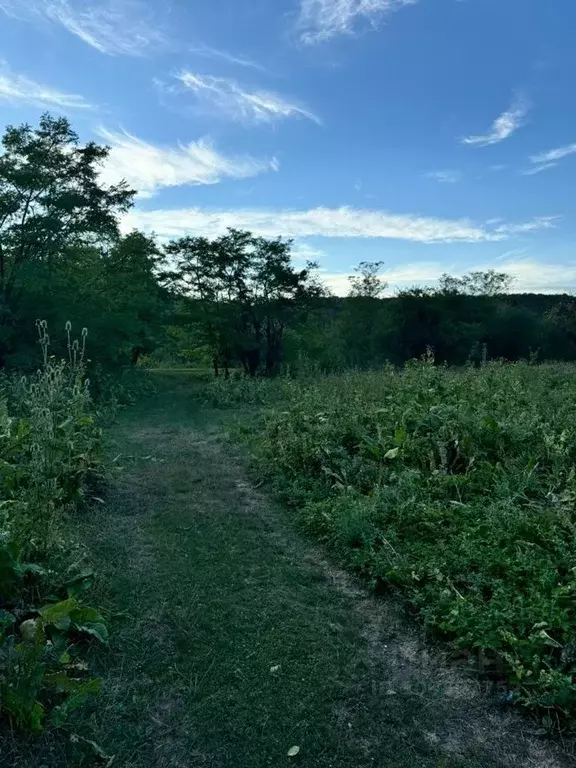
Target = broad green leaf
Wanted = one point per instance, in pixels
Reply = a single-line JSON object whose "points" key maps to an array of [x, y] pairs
{"points": [[90, 622], [59, 613]]}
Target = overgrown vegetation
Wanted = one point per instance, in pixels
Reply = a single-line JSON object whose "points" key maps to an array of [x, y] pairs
{"points": [[49, 454], [458, 487]]}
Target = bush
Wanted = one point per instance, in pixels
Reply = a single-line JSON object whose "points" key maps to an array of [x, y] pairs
{"points": [[457, 486]]}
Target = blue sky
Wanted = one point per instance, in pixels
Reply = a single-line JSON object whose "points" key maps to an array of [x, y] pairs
{"points": [[435, 135]]}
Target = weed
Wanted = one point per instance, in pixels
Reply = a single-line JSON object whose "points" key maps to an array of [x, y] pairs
{"points": [[49, 453]]}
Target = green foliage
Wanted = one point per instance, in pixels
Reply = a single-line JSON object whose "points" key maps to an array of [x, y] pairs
{"points": [[367, 283], [462, 318], [61, 251], [238, 294], [490, 283], [456, 486], [49, 456]]}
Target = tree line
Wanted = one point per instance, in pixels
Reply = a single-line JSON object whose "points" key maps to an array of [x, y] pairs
{"points": [[233, 302]]}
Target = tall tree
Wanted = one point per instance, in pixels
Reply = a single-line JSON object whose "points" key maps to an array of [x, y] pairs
{"points": [[51, 200], [367, 283], [242, 292]]}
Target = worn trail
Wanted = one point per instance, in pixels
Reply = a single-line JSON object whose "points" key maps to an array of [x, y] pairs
{"points": [[234, 641]]}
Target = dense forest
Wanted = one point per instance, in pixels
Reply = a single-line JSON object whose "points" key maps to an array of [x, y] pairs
{"points": [[233, 302]]}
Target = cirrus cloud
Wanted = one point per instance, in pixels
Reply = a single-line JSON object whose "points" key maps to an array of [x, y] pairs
{"points": [[504, 126], [445, 177], [19, 89], [231, 99], [147, 167], [321, 20], [326, 222], [550, 159], [114, 27]]}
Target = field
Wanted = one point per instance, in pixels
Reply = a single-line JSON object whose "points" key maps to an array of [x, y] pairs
{"points": [[456, 487], [231, 638]]}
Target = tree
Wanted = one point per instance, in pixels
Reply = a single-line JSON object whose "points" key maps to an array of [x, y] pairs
{"points": [[367, 283], [51, 201], [112, 290], [490, 283], [242, 293]]}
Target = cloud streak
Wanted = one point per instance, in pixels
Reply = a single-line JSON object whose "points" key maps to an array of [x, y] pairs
{"points": [[503, 127], [320, 20], [214, 53], [114, 27], [533, 225], [19, 89], [554, 155], [228, 97], [148, 168], [326, 222], [546, 160], [445, 177], [538, 169]]}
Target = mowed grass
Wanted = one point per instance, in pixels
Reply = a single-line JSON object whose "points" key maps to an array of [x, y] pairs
{"points": [[232, 641]]}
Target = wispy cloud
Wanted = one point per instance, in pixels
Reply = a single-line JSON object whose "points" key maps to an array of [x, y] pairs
{"points": [[538, 169], [554, 154], [535, 276], [19, 89], [228, 97], [533, 225], [445, 177], [327, 222], [504, 126], [148, 168], [546, 160], [208, 52], [303, 251], [322, 19], [110, 26]]}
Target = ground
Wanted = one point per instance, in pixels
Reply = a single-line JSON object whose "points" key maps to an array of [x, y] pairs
{"points": [[235, 640]]}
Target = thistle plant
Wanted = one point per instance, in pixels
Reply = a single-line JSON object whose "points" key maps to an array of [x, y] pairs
{"points": [[59, 445]]}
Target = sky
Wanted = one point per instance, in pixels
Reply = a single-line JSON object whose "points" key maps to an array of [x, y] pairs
{"points": [[433, 135]]}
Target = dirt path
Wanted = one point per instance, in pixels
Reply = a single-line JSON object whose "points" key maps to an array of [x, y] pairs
{"points": [[234, 641]]}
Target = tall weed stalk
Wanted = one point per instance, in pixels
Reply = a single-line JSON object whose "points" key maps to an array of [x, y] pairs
{"points": [[49, 453]]}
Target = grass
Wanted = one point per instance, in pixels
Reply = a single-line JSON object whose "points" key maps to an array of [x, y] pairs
{"points": [[232, 640]]}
